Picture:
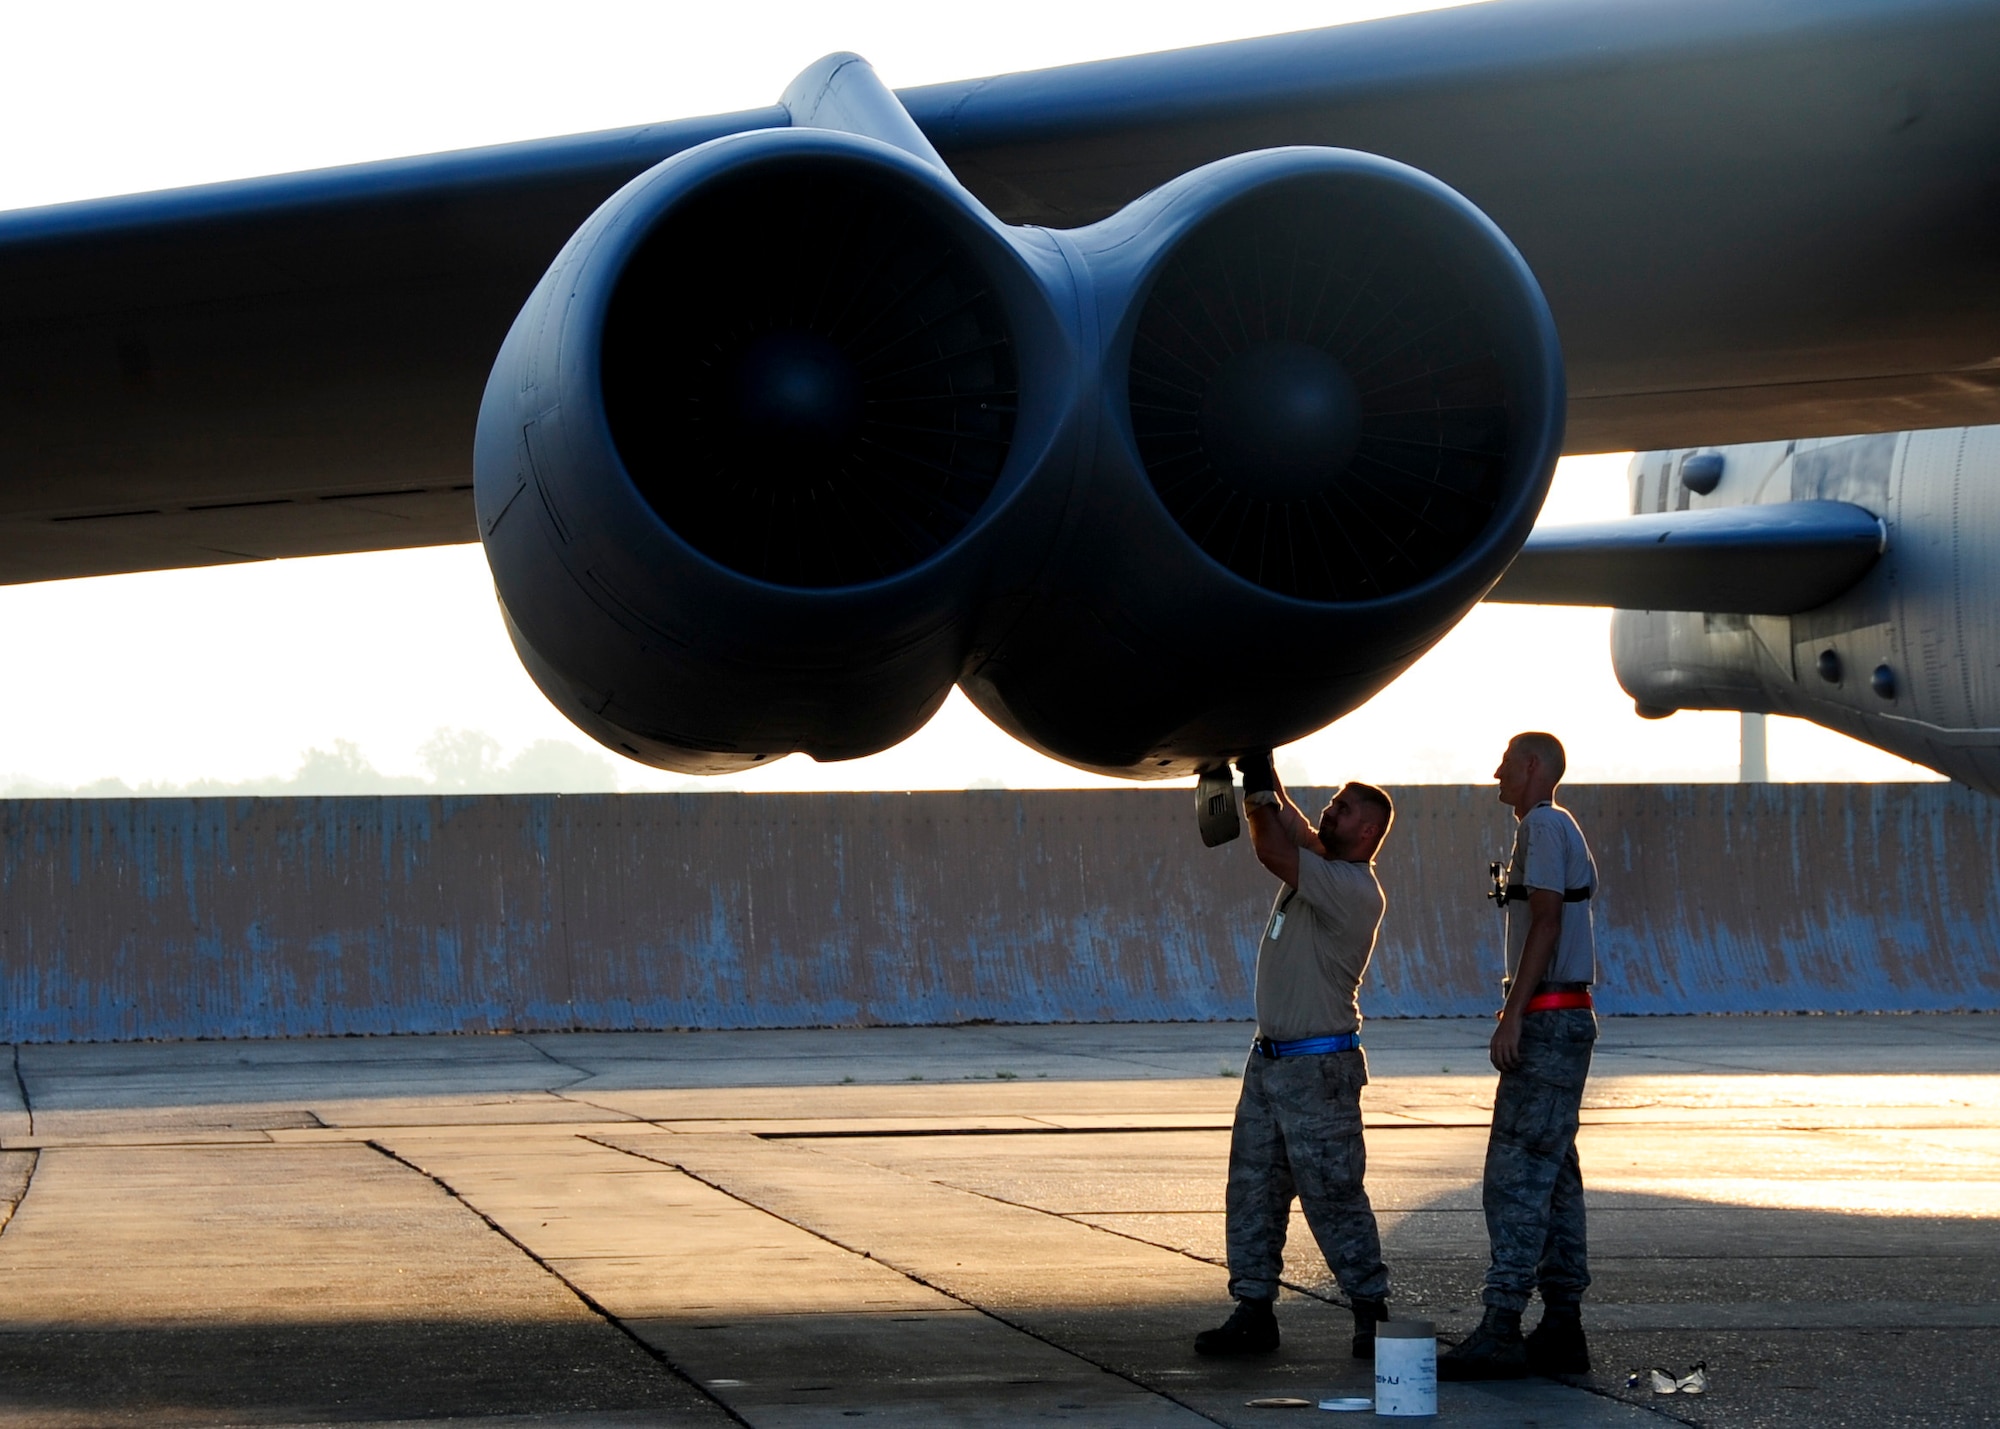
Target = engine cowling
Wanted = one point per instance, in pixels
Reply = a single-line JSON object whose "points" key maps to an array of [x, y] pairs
{"points": [[1329, 400], [759, 445], [794, 435]]}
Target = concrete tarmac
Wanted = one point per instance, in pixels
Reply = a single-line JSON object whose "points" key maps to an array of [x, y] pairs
{"points": [[972, 1225]]}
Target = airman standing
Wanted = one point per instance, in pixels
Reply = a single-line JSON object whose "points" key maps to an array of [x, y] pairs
{"points": [[1533, 1191]]}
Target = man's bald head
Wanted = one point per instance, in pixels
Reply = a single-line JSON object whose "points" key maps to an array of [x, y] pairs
{"points": [[1530, 770], [1545, 747]]}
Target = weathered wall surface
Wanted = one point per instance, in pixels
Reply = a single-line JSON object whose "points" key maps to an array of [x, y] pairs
{"points": [[280, 917]]}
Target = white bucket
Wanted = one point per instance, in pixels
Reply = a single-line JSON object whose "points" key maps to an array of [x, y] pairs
{"points": [[1406, 1368]]}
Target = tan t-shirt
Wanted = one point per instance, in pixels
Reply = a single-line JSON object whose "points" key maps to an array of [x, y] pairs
{"points": [[1549, 853], [1316, 946]]}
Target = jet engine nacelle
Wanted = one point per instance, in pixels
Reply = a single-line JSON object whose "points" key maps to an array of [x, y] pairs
{"points": [[795, 434], [759, 442], [1326, 402]]}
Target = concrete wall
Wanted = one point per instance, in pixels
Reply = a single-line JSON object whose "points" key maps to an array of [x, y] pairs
{"points": [[280, 917]]}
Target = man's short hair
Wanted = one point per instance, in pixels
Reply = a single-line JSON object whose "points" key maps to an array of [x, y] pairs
{"points": [[1377, 799], [1545, 747]]}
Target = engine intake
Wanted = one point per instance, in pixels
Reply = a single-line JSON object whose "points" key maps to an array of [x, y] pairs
{"points": [[758, 451], [1318, 400], [808, 376]]}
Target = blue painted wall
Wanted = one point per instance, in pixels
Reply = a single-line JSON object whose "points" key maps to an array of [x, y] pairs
{"points": [[285, 917]]}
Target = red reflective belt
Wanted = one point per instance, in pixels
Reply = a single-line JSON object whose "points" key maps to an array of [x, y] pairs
{"points": [[1557, 1001]]}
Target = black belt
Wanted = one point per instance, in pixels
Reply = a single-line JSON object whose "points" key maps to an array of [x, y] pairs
{"points": [[1541, 988], [1518, 893]]}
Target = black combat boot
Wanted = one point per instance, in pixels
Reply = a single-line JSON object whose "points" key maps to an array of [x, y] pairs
{"points": [[1251, 1329], [1493, 1351], [1367, 1315], [1557, 1346]]}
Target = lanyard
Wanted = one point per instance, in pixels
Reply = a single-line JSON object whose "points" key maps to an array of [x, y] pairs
{"points": [[1277, 924]]}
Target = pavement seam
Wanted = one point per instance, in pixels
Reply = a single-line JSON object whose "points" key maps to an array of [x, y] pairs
{"points": [[14, 1209], [1053, 1215], [1310, 1294], [582, 1076], [21, 1082], [563, 1094], [1072, 1219], [905, 1132], [915, 1278], [589, 1302], [1043, 1127]]}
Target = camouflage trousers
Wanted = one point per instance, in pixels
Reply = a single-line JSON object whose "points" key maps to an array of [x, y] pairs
{"points": [[1534, 1183], [1298, 1133]]}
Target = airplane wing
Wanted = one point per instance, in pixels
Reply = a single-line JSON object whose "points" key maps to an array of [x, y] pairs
{"points": [[1776, 559], [1750, 221], [283, 366]]}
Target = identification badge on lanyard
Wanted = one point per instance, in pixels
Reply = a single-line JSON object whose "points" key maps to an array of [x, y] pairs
{"points": [[1277, 920]]}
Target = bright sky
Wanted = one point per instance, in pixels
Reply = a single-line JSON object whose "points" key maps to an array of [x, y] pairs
{"points": [[232, 673]]}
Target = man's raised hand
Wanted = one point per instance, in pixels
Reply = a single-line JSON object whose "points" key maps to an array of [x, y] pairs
{"points": [[1260, 775]]}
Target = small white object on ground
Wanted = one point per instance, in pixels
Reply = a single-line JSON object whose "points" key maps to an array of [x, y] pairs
{"points": [[1348, 1405], [1695, 1381], [1406, 1374]]}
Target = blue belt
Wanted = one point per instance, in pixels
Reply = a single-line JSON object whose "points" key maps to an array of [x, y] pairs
{"points": [[1306, 1046]]}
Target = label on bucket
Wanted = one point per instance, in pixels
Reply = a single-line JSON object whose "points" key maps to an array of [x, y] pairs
{"points": [[1406, 1376]]}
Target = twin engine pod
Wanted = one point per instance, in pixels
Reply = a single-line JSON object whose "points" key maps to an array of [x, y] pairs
{"points": [[795, 435]]}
